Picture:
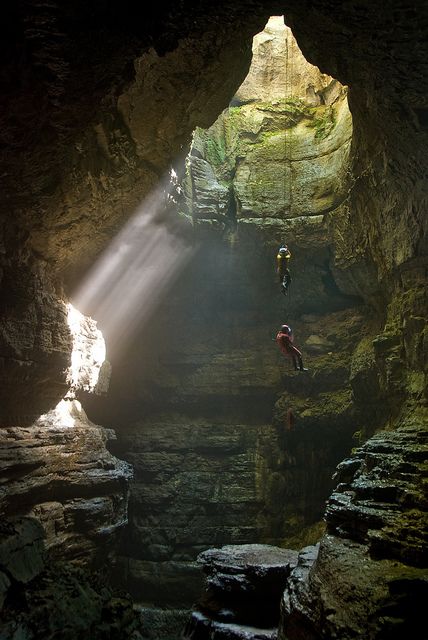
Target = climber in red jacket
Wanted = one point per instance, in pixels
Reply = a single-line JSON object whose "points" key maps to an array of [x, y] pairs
{"points": [[284, 338]]}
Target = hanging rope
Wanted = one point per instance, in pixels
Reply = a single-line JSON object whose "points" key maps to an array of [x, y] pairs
{"points": [[285, 123], [287, 135]]}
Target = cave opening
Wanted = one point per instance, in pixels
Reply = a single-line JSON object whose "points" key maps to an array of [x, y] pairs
{"points": [[208, 436]]}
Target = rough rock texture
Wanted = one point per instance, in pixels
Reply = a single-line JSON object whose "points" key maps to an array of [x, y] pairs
{"points": [[210, 467], [376, 535], [89, 370], [372, 502], [243, 588], [82, 147], [195, 482], [388, 162], [202, 626], [278, 67], [41, 599], [275, 153], [59, 471], [193, 410], [35, 342]]}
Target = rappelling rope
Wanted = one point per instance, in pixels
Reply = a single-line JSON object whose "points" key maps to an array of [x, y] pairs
{"points": [[287, 145], [285, 121], [287, 141]]}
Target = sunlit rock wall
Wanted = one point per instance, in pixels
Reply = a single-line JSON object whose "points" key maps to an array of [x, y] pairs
{"points": [[63, 496], [35, 343], [81, 148], [276, 153]]}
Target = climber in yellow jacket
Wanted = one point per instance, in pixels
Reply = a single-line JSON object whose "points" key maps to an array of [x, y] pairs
{"points": [[282, 262]]}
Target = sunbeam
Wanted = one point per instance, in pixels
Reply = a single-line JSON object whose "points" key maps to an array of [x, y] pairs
{"points": [[136, 271]]}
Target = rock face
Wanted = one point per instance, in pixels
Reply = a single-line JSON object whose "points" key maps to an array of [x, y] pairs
{"points": [[279, 68], [276, 154], [243, 587], [92, 139], [257, 473], [59, 471], [41, 600], [89, 370], [376, 535], [210, 465], [35, 341]]}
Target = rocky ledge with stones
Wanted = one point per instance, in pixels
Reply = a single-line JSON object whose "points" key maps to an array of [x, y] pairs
{"points": [[244, 584]]}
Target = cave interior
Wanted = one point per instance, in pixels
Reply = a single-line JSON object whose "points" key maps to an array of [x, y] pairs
{"points": [[165, 472]]}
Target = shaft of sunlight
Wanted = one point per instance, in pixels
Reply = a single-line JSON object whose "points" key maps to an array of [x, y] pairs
{"points": [[136, 271]]}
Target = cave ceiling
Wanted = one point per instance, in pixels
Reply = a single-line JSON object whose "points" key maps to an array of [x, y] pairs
{"points": [[100, 98]]}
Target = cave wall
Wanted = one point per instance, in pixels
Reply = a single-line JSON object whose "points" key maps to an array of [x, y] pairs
{"points": [[93, 151], [201, 401], [56, 161]]}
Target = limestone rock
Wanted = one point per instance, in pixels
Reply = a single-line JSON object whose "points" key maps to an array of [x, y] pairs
{"points": [[383, 504], [195, 482], [273, 170], [88, 370], [21, 550], [297, 600], [243, 587], [275, 154], [376, 523], [279, 69], [64, 601], [254, 569], [81, 148], [201, 626], [65, 456], [35, 342]]}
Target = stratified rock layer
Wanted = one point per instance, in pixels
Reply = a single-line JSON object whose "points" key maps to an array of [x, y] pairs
{"points": [[59, 471], [35, 341], [274, 155], [370, 576]]}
